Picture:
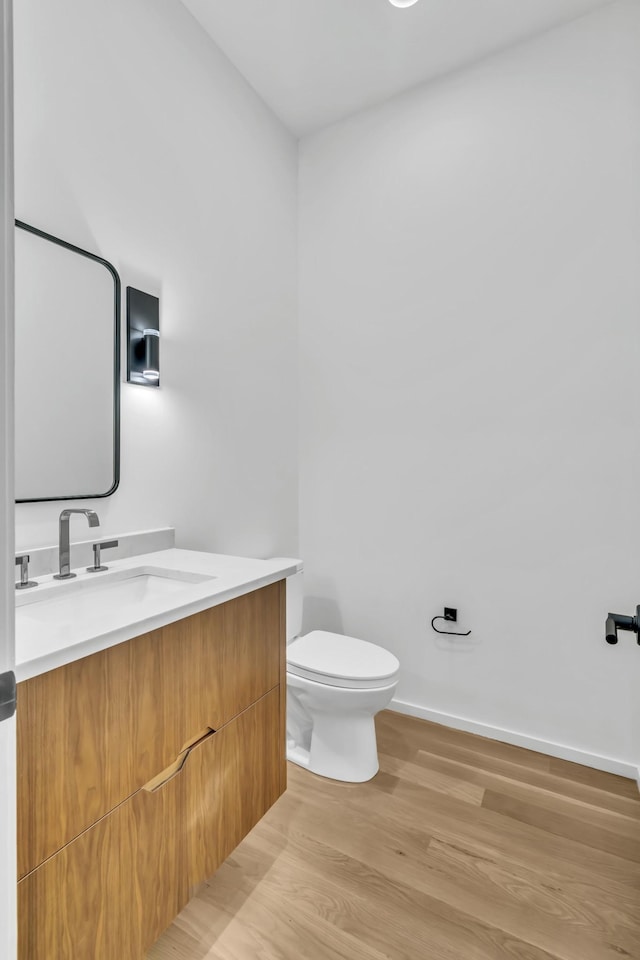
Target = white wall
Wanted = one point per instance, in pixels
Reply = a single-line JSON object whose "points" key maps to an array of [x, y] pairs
{"points": [[470, 412], [136, 139]]}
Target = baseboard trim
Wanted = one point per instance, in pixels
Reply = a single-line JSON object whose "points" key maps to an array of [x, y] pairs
{"points": [[608, 764]]}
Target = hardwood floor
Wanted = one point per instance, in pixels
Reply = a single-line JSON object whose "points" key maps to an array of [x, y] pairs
{"points": [[460, 848]]}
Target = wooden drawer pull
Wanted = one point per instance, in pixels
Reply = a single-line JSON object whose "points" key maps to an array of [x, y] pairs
{"points": [[194, 741], [174, 768]]}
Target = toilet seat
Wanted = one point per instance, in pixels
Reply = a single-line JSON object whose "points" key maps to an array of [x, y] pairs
{"points": [[339, 661]]}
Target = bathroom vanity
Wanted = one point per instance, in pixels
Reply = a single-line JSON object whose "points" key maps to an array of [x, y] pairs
{"points": [[148, 747]]}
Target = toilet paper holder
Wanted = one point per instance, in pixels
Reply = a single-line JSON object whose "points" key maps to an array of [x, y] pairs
{"points": [[450, 616]]}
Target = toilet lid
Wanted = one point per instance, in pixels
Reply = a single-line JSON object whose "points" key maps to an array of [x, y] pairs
{"points": [[341, 661]]}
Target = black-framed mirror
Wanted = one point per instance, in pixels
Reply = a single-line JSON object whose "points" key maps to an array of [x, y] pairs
{"points": [[67, 370]]}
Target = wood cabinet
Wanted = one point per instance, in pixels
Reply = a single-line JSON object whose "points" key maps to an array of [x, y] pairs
{"points": [[140, 769]]}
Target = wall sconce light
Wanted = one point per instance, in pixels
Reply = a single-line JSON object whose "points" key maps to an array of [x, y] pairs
{"points": [[143, 338]]}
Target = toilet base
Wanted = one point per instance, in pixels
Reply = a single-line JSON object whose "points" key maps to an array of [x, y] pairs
{"points": [[331, 730], [333, 759]]}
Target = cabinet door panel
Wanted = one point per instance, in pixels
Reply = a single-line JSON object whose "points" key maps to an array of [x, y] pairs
{"points": [[111, 892], [231, 780], [93, 732], [237, 650], [90, 734], [250, 654]]}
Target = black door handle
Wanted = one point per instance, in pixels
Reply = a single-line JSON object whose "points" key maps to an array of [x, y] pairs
{"points": [[618, 621]]}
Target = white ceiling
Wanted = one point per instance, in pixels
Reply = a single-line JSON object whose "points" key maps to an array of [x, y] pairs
{"points": [[316, 61]]}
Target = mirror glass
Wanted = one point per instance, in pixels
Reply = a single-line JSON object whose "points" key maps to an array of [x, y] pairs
{"points": [[67, 320]]}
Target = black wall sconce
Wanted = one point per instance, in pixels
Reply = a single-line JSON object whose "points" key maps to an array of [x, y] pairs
{"points": [[143, 338]]}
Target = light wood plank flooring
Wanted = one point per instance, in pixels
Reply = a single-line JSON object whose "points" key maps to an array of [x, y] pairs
{"points": [[461, 848]]}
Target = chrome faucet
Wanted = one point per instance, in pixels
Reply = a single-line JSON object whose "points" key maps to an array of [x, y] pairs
{"points": [[64, 547]]}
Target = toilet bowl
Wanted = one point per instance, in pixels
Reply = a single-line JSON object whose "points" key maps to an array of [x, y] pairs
{"points": [[335, 687]]}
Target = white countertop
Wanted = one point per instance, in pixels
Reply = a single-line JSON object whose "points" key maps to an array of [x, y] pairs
{"points": [[43, 644]]}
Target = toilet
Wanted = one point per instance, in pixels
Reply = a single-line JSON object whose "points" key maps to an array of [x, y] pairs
{"points": [[335, 687]]}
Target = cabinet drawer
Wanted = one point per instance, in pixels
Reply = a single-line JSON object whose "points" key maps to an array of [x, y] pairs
{"points": [[91, 733], [110, 893], [230, 780]]}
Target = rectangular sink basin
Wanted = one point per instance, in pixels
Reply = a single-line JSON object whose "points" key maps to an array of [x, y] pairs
{"points": [[103, 594]]}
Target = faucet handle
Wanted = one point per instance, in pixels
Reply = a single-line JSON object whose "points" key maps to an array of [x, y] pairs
{"points": [[97, 547], [22, 561]]}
